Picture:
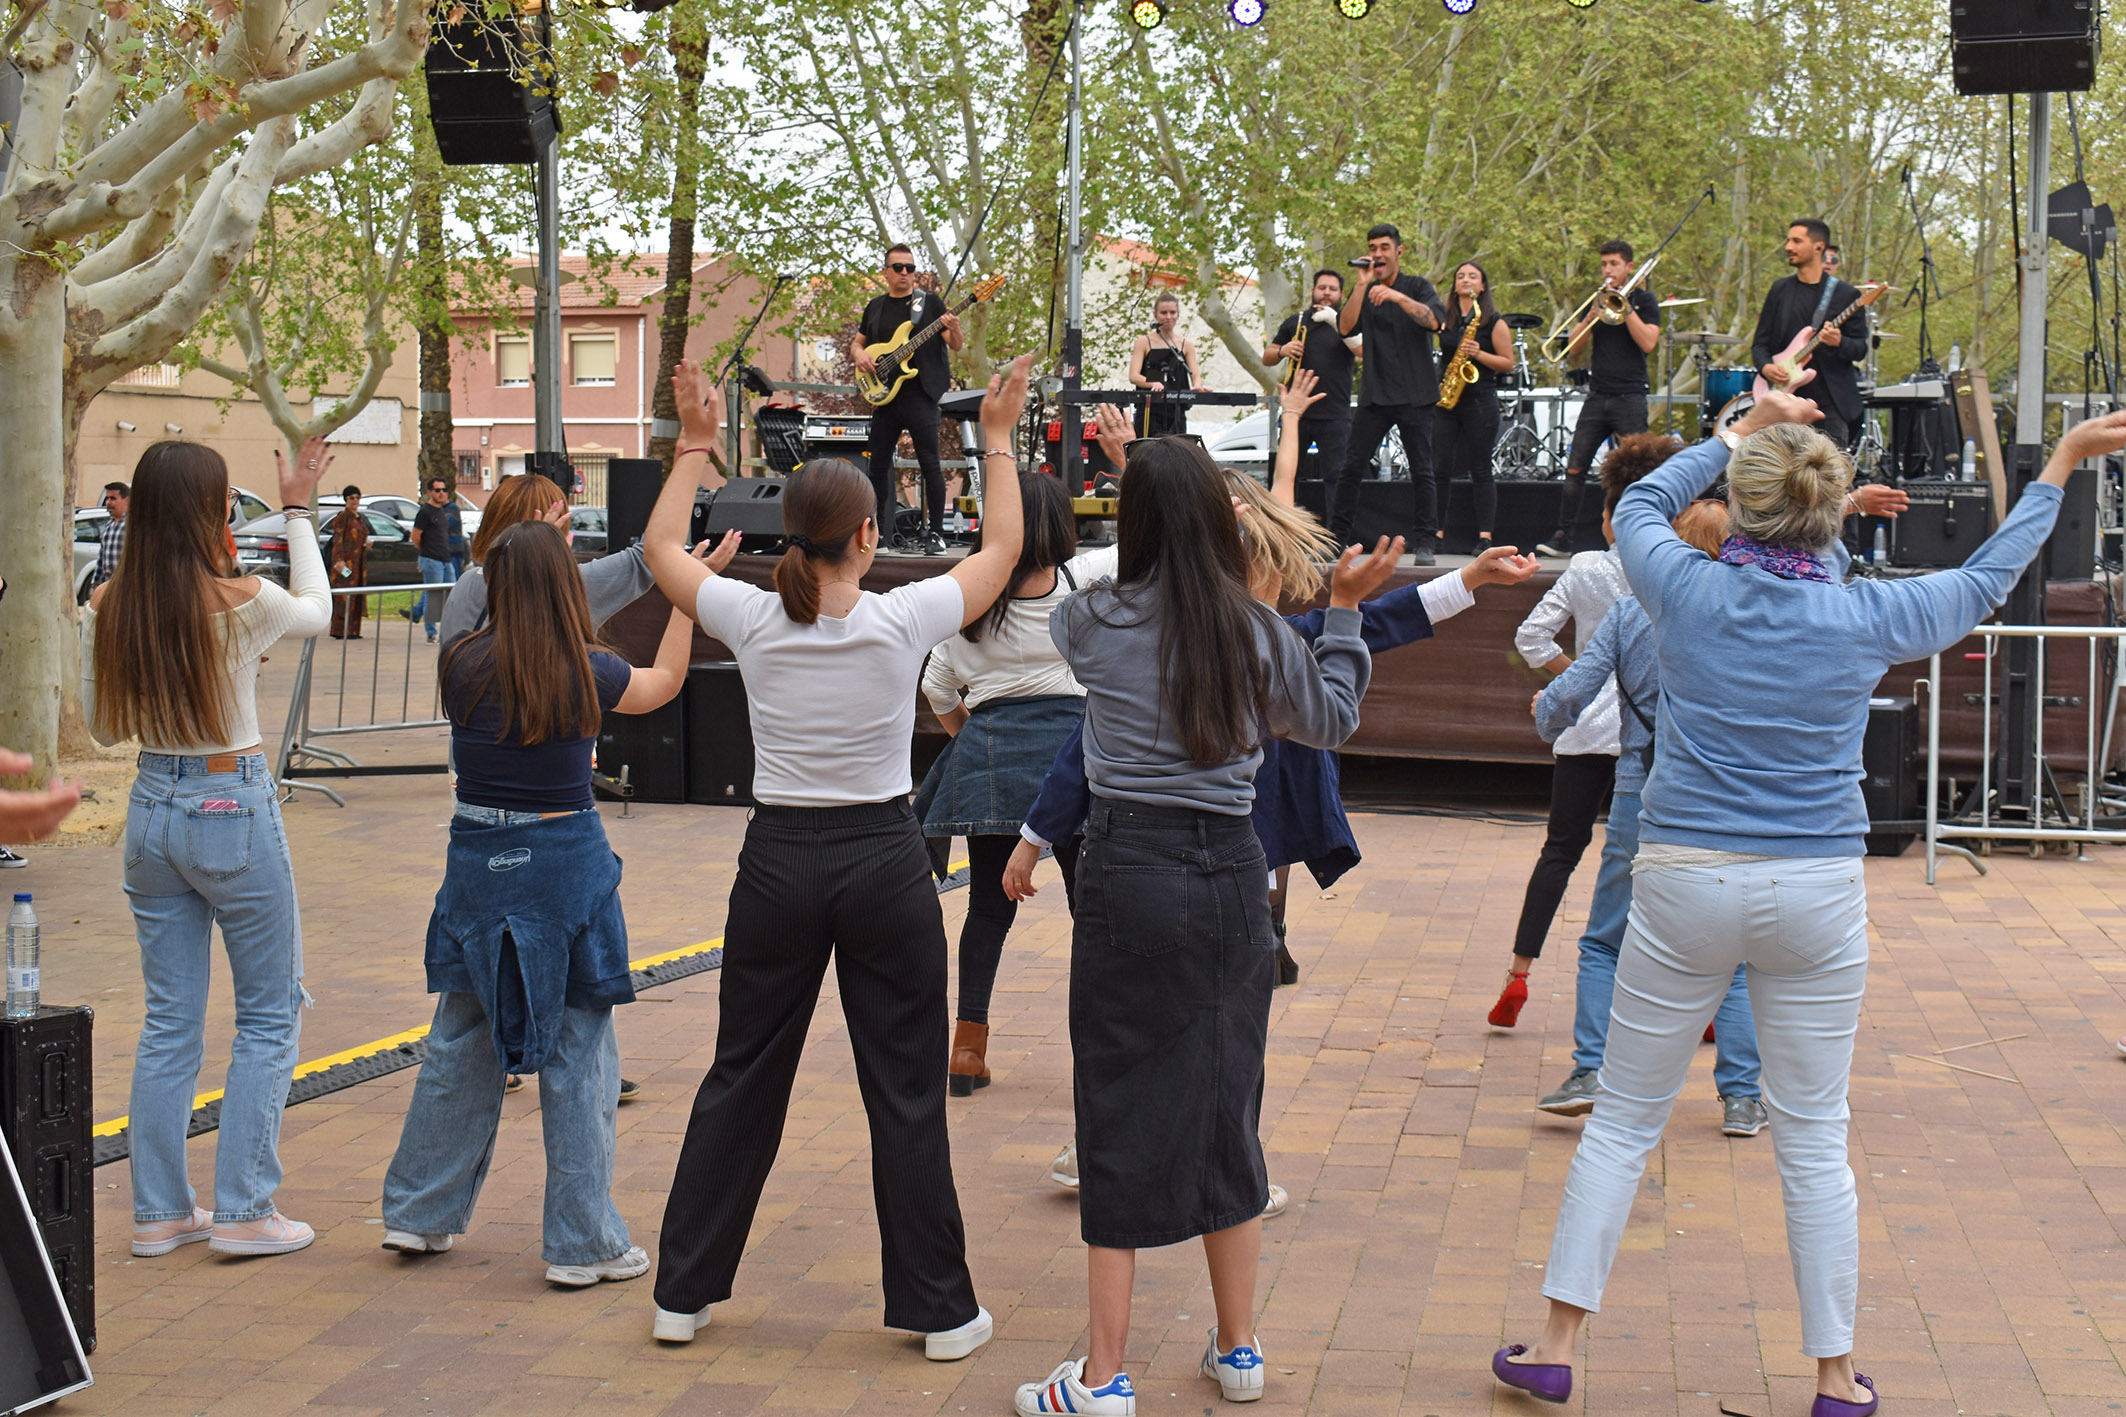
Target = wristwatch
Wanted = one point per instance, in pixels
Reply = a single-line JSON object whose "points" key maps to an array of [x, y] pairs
{"points": [[1730, 437]]}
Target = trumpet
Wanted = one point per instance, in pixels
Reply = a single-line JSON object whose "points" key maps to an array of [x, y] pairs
{"points": [[1609, 304]]}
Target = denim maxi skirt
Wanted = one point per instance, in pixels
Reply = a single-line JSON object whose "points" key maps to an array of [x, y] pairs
{"points": [[1171, 964]]}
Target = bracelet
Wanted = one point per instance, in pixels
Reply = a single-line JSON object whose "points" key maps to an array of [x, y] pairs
{"points": [[702, 448], [299, 514]]}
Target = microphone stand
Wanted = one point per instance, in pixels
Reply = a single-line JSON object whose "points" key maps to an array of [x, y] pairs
{"points": [[1927, 279], [734, 399]]}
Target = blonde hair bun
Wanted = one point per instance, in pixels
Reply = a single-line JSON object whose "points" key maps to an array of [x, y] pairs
{"points": [[1787, 485]]}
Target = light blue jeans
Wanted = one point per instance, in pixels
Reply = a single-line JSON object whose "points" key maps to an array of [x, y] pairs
{"points": [[430, 609], [1735, 1065], [203, 849], [1800, 925]]}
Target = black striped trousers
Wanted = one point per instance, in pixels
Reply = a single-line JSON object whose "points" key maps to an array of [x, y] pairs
{"points": [[852, 883]]}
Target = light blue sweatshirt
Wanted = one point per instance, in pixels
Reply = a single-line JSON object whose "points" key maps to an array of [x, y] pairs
{"points": [[1765, 681]]}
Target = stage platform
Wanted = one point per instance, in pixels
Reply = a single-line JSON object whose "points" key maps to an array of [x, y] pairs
{"points": [[1464, 694]]}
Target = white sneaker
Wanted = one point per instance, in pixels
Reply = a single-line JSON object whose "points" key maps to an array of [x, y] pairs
{"points": [[1064, 1169], [1064, 1390], [408, 1243], [631, 1263], [159, 1237], [955, 1343], [669, 1327], [1279, 1199], [1239, 1372]]}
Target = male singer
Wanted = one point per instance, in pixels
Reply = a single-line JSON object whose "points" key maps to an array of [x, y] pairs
{"points": [[1397, 316]]}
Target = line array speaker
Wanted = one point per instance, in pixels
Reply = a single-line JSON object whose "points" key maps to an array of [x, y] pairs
{"points": [[482, 108], [2023, 46]]}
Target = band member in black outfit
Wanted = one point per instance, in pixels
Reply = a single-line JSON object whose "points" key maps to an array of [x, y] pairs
{"points": [[1801, 301], [914, 410], [1397, 316], [1464, 436], [1616, 384], [1329, 353], [1162, 360]]}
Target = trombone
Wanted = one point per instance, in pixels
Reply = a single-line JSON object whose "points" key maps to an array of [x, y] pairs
{"points": [[1609, 304]]}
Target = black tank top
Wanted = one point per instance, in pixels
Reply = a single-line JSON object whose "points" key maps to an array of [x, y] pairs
{"points": [[1165, 364], [1487, 379]]}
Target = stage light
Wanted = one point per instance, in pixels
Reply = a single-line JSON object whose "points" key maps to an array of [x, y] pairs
{"points": [[1354, 9], [1459, 7], [1147, 14], [1246, 13], [1581, 4]]}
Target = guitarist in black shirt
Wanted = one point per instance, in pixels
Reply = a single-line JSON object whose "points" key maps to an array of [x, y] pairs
{"points": [[914, 410], [1801, 301]]}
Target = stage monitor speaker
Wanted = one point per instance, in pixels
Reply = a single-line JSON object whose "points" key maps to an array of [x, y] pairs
{"points": [[1890, 773], [483, 110], [751, 506], [719, 737], [631, 488], [1925, 441], [651, 746], [2071, 551], [2023, 46], [45, 1102], [1944, 524]]}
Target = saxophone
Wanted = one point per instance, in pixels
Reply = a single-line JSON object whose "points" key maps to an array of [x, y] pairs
{"points": [[1461, 370]]}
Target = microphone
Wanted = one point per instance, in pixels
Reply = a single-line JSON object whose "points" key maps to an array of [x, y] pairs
{"points": [[1362, 262]]}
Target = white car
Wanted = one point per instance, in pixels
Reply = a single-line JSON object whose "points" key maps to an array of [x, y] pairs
{"points": [[246, 506], [401, 509]]}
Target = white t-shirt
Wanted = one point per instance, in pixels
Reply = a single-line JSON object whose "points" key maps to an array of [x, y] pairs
{"points": [[1017, 660], [833, 703]]}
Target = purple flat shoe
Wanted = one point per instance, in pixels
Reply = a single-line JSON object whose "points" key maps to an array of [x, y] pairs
{"points": [[1552, 1382], [1838, 1407]]}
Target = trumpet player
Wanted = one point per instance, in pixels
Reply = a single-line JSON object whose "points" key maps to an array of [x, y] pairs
{"points": [[1616, 386], [1465, 427], [1313, 341]]}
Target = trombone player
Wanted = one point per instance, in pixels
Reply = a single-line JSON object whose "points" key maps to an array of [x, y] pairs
{"points": [[1620, 327]]}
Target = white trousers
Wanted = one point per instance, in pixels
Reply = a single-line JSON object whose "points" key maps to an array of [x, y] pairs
{"points": [[1800, 924]]}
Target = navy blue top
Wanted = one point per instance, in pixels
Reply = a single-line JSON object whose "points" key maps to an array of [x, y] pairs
{"points": [[554, 776]]}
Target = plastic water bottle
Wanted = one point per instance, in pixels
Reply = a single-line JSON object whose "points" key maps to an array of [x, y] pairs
{"points": [[22, 973], [1880, 552], [1970, 469], [1956, 358]]}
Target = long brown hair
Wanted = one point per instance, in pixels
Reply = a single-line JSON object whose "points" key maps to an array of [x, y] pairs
{"points": [[824, 506], [533, 654], [162, 663], [1051, 539], [1176, 535], [516, 499]]}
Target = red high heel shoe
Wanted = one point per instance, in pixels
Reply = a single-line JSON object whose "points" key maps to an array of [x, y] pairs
{"points": [[1507, 1011]]}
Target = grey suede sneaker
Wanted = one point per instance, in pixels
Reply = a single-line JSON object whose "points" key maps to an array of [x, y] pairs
{"points": [[1742, 1116], [1575, 1099]]}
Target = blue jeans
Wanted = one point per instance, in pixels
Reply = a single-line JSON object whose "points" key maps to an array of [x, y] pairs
{"points": [[449, 1137], [203, 849], [429, 609], [1735, 1068]]}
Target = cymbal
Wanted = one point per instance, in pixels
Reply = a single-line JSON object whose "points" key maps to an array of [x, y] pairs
{"points": [[1707, 338], [1523, 322], [1691, 300]]}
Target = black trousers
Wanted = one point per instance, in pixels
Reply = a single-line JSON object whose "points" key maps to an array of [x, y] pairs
{"points": [[1464, 437], [1369, 424], [1580, 785], [1328, 439], [852, 883], [917, 416], [1602, 417], [990, 913]]}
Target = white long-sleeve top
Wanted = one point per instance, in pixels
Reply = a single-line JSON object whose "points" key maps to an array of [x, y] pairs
{"points": [[248, 631], [1593, 581], [1017, 660]]}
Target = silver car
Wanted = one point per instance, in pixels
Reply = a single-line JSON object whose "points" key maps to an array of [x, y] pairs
{"points": [[245, 506]]}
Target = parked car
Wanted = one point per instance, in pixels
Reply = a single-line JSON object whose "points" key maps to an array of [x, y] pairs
{"points": [[399, 509], [586, 527], [88, 540], [391, 547]]}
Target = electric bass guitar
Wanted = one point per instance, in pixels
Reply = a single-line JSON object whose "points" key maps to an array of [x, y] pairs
{"points": [[1797, 352], [895, 355]]}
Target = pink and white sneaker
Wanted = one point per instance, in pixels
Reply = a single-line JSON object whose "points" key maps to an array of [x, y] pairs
{"points": [[159, 1237], [274, 1234]]}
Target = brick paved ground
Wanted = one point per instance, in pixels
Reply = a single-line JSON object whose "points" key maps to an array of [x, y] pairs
{"points": [[1424, 1186]]}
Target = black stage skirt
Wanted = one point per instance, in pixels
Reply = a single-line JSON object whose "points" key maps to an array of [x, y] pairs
{"points": [[1171, 965]]}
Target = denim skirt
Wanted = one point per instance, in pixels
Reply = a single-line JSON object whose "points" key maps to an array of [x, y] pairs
{"points": [[1171, 965]]}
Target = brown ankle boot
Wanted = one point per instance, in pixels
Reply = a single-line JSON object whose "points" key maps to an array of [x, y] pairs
{"points": [[970, 1058]]}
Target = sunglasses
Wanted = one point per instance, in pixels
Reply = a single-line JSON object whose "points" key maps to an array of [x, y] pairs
{"points": [[904, 267], [1195, 438]]}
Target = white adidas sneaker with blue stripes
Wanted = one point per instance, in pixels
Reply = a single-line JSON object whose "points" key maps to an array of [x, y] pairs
{"points": [[1239, 1373], [1064, 1390]]}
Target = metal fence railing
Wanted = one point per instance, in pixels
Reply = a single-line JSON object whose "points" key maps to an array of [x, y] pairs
{"points": [[382, 682], [2050, 817]]}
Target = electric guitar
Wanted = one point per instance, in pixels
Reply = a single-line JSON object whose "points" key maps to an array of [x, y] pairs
{"points": [[895, 355], [1798, 350]]}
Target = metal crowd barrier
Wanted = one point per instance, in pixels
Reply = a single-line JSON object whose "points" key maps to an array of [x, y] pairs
{"points": [[2043, 825], [360, 695]]}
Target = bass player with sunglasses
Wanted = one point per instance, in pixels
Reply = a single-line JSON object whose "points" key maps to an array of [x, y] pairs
{"points": [[914, 409]]}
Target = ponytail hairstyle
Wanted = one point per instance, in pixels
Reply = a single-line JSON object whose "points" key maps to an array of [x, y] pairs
{"points": [[1051, 539], [824, 508], [524, 497], [1786, 486], [161, 660], [1285, 545], [1177, 539], [533, 654], [1703, 524]]}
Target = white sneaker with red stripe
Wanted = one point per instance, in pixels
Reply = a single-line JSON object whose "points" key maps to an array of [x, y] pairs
{"points": [[1064, 1390]]}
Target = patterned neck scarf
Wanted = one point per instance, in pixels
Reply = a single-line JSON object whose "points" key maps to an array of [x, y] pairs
{"points": [[1783, 562]]}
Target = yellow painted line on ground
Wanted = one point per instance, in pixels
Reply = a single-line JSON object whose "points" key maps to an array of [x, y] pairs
{"points": [[384, 1045]]}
